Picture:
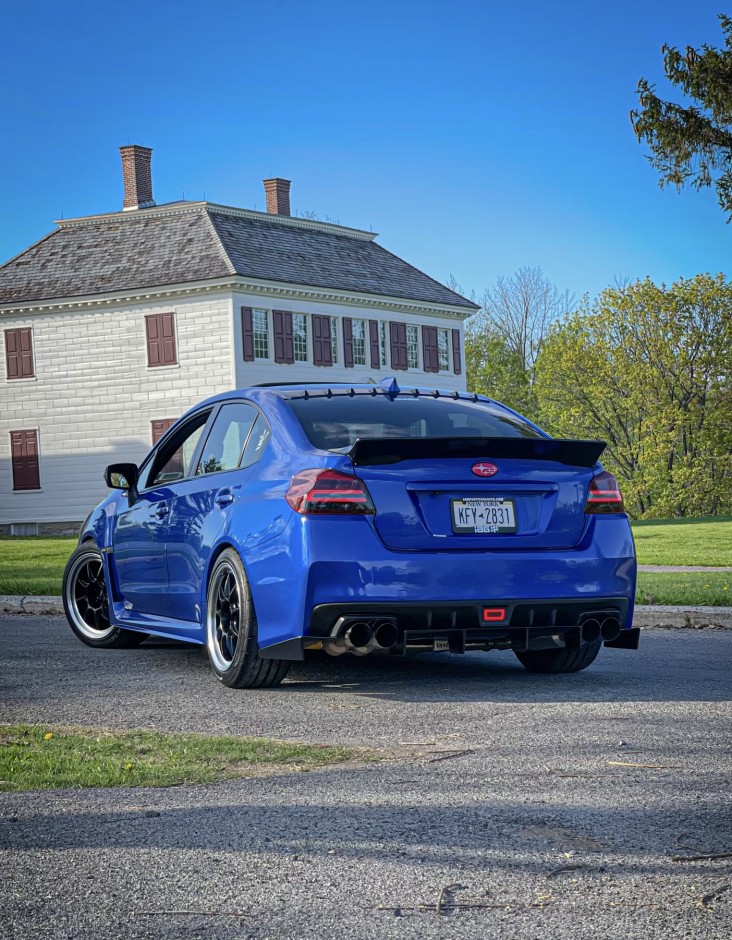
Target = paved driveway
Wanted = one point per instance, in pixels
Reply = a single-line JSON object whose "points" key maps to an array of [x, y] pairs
{"points": [[519, 792]]}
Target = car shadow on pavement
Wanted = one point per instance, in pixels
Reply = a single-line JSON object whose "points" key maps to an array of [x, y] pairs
{"points": [[491, 834]]}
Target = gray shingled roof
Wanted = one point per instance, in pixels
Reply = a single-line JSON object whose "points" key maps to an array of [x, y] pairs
{"points": [[176, 245]]}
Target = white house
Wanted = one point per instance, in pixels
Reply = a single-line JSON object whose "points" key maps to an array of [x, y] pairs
{"points": [[113, 325]]}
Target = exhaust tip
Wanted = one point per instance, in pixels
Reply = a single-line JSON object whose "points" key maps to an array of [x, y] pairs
{"points": [[610, 629], [591, 630], [386, 635], [359, 634]]}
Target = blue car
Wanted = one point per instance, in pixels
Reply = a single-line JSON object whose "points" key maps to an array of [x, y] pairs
{"points": [[270, 521]]}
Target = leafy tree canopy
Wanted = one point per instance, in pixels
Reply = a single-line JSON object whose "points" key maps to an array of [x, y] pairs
{"points": [[691, 143], [648, 369]]}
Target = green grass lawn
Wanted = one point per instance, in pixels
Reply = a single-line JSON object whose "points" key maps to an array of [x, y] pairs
{"points": [[704, 541], [33, 565], [45, 757], [712, 589]]}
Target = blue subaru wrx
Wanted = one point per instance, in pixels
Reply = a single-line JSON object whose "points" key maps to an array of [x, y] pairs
{"points": [[273, 520]]}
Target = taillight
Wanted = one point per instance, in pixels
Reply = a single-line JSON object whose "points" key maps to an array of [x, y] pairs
{"points": [[604, 494], [328, 491]]}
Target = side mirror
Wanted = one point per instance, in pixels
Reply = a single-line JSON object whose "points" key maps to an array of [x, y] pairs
{"points": [[122, 476]]}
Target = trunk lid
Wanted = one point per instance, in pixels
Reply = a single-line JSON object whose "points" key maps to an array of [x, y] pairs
{"points": [[428, 497]]}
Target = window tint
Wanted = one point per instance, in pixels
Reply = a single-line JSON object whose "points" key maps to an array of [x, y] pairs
{"points": [[335, 423], [228, 436], [256, 443], [173, 458]]}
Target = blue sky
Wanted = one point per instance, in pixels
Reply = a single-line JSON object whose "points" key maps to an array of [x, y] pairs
{"points": [[475, 137]]}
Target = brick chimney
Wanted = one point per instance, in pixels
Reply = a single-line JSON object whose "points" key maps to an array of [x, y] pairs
{"points": [[278, 196], [137, 177]]}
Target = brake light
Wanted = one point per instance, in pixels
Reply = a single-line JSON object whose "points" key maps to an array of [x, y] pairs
{"points": [[328, 491], [604, 494]]}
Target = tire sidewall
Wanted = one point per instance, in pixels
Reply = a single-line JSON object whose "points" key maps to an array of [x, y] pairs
{"points": [[247, 649], [91, 550]]}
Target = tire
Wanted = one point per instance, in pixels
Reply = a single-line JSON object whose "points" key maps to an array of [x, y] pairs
{"points": [[560, 660], [86, 602], [231, 629]]}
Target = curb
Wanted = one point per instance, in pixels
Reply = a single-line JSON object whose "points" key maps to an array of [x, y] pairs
{"points": [[646, 615]]}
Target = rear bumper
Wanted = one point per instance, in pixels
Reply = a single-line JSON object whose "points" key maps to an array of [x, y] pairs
{"points": [[338, 567], [458, 627]]}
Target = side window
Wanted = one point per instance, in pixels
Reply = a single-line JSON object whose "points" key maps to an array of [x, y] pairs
{"points": [[256, 443], [228, 436], [172, 460]]}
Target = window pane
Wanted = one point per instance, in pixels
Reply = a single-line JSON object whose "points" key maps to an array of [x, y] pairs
{"points": [[300, 337], [412, 343], [334, 423], [172, 460], [442, 351], [382, 342], [334, 339], [359, 342], [227, 438], [261, 334], [256, 443]]}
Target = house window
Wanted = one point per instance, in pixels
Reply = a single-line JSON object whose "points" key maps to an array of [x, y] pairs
{"points": [[24, 456], [19, 354], [443, 353], [412, 347], [334, 340], [260, 329], [160, 330], [382, 342], [300, 336], [359, 342]]}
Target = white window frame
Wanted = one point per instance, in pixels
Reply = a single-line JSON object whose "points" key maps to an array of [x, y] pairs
{"points": [[304, 336], [255, 332], [412, 346], [382, 344], [443, 363], [334, 340], [359, 361]]}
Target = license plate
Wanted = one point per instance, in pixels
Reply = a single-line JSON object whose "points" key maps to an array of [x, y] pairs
{"points": [[483, 515]]}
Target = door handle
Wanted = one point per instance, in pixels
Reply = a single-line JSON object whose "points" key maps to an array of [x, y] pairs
{"points": [[224, 498], [162, 511]]}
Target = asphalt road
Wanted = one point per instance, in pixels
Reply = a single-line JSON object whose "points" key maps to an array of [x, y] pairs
{"points": [[505, 778]]}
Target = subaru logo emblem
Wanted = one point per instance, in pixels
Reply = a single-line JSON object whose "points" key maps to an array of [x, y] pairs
{"points": [[484, 469]]}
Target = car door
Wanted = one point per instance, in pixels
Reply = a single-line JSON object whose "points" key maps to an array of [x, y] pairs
{"points": [[203, 504], [139, 557]]}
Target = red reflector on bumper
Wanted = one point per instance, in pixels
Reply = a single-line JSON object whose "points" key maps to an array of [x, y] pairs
{"points": [[494, 614]]}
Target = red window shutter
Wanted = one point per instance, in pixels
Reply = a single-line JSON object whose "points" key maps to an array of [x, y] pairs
{"points": [[247, 334], [170, 356], [322, 350], [284, 347], [398, 338], [456, 358], [159, 427], [374, 343], [347, 342], [19, 354], [430, 357], [160, 330], [24, 456]]}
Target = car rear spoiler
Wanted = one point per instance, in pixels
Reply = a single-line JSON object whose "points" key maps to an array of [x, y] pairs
{"points": [[385, 450]]}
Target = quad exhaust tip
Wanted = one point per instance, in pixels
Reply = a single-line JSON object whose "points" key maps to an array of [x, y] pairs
{"points": [[361, 637], [607, 629]]}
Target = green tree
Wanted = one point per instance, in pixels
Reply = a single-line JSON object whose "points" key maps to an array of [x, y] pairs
{"points": [[647, 369], [691, 143], [493, 368]]}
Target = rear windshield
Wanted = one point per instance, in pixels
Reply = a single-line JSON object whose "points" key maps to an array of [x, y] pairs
{"points": [[336, 423]]}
